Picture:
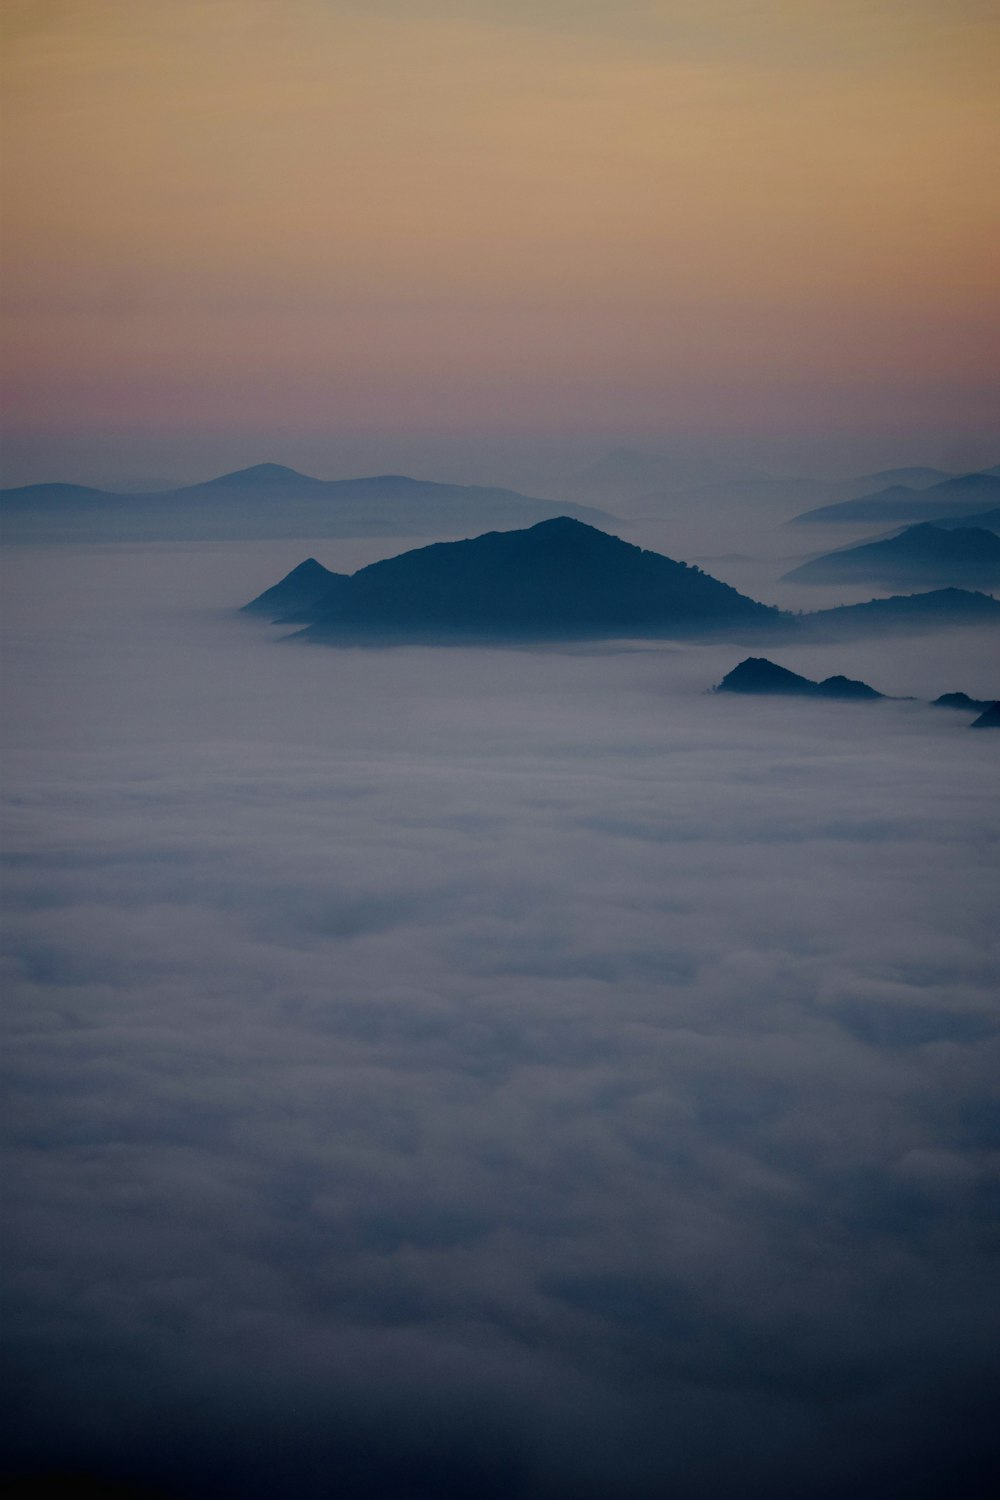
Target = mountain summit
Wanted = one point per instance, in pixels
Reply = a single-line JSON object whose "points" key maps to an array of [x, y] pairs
{"points": [[758, 675], [298, 593], [557, 579]]}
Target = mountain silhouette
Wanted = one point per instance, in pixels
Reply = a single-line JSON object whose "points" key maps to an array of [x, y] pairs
{"points": [[33, 498], [559, 578], [962, 495], [902, 614], [564, 578], [962, 702], [758, 675], [258, 476], [270, 500], [298, 592], [920, 554]]}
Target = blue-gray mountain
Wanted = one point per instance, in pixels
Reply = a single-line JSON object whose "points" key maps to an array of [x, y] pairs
{"points": [[922, 554], [758, 675], [558, 579], [990, 519], [961, 496], [299, 593], [270, 500], [902, 614], [963, 703]]}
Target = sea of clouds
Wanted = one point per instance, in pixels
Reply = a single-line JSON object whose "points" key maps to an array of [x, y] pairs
{"points": [[502, 1073]]}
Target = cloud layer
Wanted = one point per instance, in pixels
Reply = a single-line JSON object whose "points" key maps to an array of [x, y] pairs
{"points": [[501, 1073]]}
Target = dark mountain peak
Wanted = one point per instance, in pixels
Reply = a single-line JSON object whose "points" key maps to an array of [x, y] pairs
{"points": [[846, 687], [962, 702], [565, 524], [921, 553], [758, 675], [904, 614], [950, 598], [988, 720], [308, 569], [298, 592], [557, 579], [567, 531]]}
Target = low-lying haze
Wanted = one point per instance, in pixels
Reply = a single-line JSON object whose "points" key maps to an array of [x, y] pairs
{"points": [[461, 1071]]}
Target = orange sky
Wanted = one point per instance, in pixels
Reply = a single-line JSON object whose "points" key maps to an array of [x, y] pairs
{"points": [[639, 215]]}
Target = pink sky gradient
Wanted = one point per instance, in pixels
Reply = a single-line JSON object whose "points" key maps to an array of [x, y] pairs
{"points": [[292, 223]]}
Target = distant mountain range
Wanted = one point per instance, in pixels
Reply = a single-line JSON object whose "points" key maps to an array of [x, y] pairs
{"points": [[955, 497], [922, 554], [562, 579], [758, 675], [797, 491], [270, 500], [625, 478]]}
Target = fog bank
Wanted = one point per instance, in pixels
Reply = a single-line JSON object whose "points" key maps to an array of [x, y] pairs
{"points": [[501, 1072]]}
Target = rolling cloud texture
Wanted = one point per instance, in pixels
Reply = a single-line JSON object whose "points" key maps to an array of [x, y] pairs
{"points": [[510, 1073]]}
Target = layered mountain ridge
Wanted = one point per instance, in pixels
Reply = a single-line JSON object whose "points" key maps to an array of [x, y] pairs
{"points": [[271, 500], [923, 553], [564, 579], [960, 495]]}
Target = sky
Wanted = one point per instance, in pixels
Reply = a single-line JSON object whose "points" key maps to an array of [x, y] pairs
{"points": [[317, 230], [476, 1072]]}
